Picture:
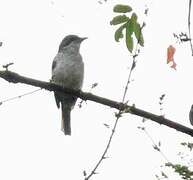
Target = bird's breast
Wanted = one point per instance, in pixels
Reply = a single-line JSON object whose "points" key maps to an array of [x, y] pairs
{"points": [[69, 72]]}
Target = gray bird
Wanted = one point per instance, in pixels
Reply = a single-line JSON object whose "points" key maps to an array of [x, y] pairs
{"points": [[68, 71], [191, 115]]}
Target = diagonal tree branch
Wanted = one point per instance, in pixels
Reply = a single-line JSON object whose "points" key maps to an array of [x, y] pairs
{"points": [[16, 78]]}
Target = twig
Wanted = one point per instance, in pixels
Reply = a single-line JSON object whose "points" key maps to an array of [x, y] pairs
{"points": [[16, 97], [189, 15], [155, 145], [118, 115], [7, 65], [105, 151]]}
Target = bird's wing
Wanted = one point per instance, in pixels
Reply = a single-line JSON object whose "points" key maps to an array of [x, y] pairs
{"points": [[57, 100], [53, 64], [55, 94]]}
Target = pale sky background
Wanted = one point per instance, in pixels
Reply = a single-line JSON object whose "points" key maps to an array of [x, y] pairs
{"points": [[31, 143]]}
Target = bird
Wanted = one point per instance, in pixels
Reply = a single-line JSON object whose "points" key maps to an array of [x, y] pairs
{"points": [[68, 72], [191, 115]]}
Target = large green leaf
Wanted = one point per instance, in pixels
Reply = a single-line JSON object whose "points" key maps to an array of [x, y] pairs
{"points": [[120, 8], [132, 23], [137, 31], [119, 19], [129, 27], [129, 40], [119, 32]]}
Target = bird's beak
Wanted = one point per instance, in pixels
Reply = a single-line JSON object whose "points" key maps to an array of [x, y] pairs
{"points": [[82, 39]]}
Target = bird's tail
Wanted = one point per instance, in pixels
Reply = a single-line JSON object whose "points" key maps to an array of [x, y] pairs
{"points": [[65, 124]]}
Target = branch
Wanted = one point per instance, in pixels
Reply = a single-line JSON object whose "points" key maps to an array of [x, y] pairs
{"points": [[16, 78]]}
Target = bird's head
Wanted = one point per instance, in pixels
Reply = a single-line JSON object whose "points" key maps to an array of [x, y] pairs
{"points": [[71, 40]]}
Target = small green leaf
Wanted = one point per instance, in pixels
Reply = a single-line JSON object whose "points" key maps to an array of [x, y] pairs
{"points": [[119, 19], [141, 40], [129, 40], [119, 32], [120, 8], [138, 34]]}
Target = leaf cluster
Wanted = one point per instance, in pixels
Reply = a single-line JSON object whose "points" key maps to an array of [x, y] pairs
{"points": [[128, 26], [183, 171]]}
